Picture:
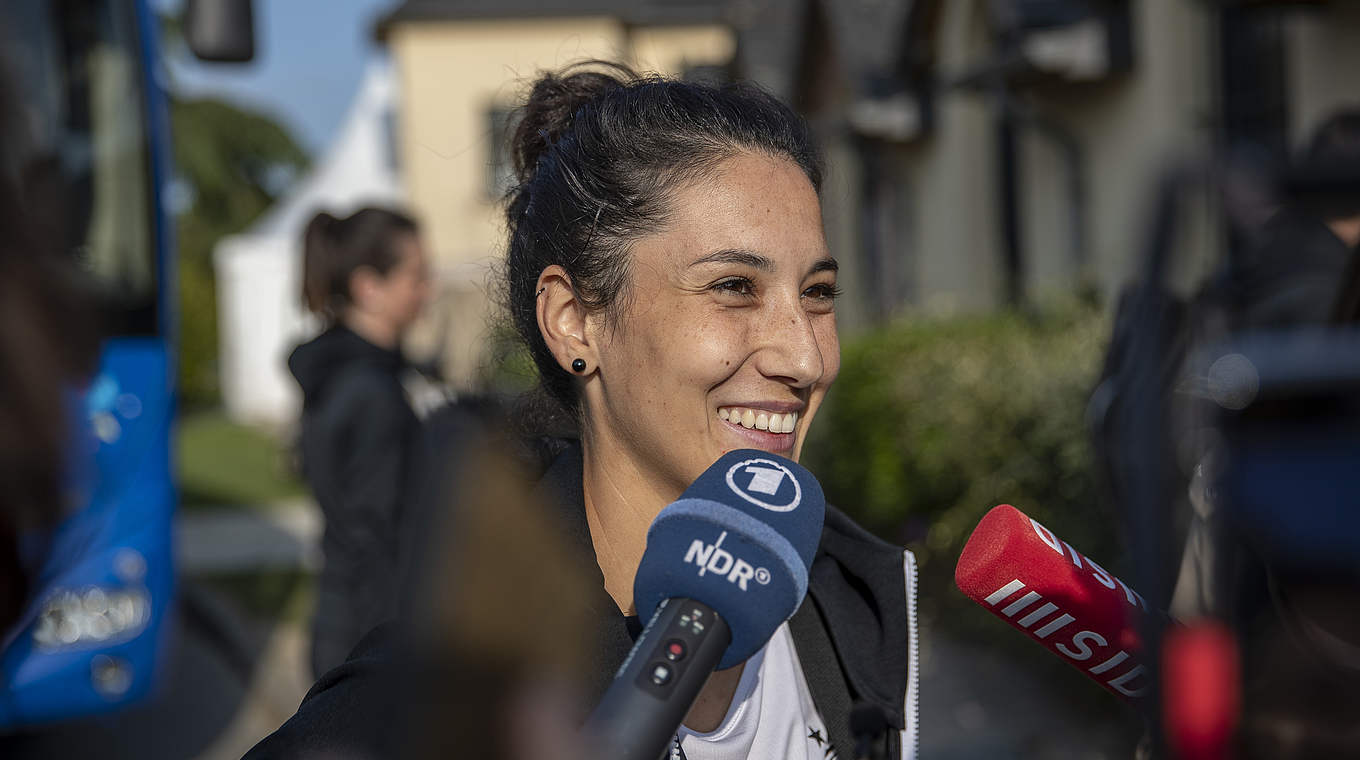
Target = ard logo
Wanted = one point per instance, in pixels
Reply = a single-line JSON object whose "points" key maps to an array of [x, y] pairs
{"points": [[766, 484]]}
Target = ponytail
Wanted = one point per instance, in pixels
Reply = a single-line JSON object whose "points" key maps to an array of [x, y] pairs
{"points": [[316, 269]]}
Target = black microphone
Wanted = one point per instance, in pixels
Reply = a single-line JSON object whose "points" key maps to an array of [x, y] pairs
{"points": [[725, 566]]}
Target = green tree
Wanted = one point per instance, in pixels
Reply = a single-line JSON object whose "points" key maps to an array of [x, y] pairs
{"points": [[232, 164]]}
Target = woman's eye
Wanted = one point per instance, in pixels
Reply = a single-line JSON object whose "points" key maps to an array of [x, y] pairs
{"points": [[736, 286], [822, 292]]}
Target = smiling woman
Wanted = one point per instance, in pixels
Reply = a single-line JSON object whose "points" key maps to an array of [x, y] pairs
{"points": [[668, 270]]}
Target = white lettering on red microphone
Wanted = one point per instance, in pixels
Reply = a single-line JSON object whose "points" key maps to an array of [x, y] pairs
{"points": [[1085, 644], [1079, 641], [1102, 576], [1121, 684], [1046, 536]]}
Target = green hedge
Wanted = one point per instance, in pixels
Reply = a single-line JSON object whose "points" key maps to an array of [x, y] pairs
{"points": [[933, 422]]}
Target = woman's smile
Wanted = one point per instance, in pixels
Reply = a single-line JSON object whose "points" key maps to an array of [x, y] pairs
{"points": [[761, 426]]}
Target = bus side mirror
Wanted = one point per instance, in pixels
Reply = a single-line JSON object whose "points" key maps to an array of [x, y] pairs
{"points": [[220, 30]]}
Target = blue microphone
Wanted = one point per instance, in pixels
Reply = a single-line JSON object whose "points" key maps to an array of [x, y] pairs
{"points": [[741, 540], [725, 565]]}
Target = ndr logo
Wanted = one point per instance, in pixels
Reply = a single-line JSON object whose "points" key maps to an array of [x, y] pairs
{"points": [[712, 558], [768, 480]]}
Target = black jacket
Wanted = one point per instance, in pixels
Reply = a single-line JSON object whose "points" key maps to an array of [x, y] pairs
{"points": [[855, 634], [356, 439], [1292, 276]]}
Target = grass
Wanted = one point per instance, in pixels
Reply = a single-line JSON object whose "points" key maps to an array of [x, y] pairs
{"points": [[223, 464]]}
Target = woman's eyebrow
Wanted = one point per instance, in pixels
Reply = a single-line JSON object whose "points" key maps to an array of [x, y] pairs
{"points": [[827, 264], [736, 256]]}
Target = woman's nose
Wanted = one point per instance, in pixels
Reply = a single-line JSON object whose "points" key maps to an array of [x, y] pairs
{"points": [[788, 348]]}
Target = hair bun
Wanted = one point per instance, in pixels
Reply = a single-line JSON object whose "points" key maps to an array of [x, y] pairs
{"points": [[552, 106]]}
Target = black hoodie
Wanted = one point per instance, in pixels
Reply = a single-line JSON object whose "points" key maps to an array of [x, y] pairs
{"points": [[357, 436]]}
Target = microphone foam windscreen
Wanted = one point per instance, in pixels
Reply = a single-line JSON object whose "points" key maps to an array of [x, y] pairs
{"points": [[741, 540], [1025, 575]]}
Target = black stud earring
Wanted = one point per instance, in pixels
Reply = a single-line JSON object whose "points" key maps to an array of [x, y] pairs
{"points": [[578, 364]]}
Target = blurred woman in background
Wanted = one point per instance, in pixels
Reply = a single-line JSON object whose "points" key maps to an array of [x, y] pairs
{"points": [[367, 277]]}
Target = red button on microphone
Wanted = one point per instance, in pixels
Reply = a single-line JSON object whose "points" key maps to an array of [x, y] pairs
{"points": [[675, 650]]}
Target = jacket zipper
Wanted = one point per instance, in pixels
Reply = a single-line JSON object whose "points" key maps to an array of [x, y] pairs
{"points": [[911, 748]]}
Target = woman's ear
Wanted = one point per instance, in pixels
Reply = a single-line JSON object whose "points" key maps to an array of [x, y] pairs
{"points": [[565, 322], [364, 285]]}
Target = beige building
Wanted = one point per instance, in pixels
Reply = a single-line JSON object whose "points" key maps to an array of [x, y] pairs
{"points": [[1103, 102], [938, 198], [462, 67]]}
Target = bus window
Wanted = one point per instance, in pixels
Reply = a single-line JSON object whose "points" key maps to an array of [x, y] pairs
{"points": [[84, 169]]}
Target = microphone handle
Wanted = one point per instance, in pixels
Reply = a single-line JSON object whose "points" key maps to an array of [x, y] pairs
{"points": [[655, 687]]}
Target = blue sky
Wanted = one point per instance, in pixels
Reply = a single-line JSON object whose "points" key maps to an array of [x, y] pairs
{"points": [[309, 57]]}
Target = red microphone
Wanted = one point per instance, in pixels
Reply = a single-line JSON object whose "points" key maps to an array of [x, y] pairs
{"points": [[1028, 577], [1202, 690]]}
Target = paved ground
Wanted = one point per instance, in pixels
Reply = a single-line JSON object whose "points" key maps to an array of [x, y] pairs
{"points": [[227, 539], [271, 671], [279, 680], [978, 704]]}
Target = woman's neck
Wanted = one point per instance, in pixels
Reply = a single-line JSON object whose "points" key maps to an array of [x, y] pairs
{"points": [[621, 502], [620, 505], [372, 328]]}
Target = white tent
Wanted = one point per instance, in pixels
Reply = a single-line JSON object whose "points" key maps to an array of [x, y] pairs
{"points": [[259, 310]]}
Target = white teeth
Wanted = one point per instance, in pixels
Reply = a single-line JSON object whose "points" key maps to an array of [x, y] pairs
{"points": [[759, 420]]}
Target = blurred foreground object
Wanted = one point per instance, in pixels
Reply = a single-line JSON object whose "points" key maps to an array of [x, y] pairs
{"points": [[1283, 515], [1298, 270], [1235, 414], [1200, 710], [496, 599], [487, 658]]}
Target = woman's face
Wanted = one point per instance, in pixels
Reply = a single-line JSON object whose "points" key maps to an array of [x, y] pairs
{"points": [[402, 293], [726, 336]]}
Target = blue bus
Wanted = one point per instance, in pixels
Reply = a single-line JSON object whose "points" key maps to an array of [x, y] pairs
{"points": [[95, 159]]}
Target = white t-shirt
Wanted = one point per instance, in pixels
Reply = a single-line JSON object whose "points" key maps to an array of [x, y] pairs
{"points": [[771, 717]]}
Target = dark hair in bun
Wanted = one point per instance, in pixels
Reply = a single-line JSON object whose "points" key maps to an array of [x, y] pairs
{"points": [[598, 152]]}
